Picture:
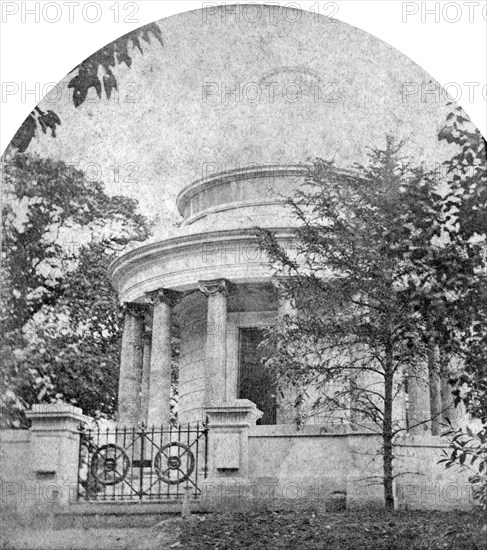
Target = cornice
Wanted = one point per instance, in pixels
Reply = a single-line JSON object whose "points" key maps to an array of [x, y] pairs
{"points": [[133, 259]]}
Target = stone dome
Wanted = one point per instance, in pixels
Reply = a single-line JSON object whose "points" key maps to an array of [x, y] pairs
{"points": [[240, 198]]}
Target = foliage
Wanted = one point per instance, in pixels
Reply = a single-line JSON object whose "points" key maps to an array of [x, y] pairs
{"points": [[75, 353], [469, 449], [59, 313], [467, 176], [450, 260], [357, 329], [88, 76]]}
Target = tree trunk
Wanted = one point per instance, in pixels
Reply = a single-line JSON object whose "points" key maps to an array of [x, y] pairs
{"points": [[387, 433]]}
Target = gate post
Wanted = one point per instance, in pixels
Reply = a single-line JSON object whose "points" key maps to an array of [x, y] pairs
{"points": [[228, 457], [54, 450]]}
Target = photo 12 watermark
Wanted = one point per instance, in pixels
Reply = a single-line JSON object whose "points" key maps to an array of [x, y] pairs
{"points": [[53, 94], [70, 12], [433, 92], [422, 494], [269, 92], [444, 12], [269, 12]]}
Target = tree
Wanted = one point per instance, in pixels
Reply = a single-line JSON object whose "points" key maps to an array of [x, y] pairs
{"points": [[59, 313], [467, 177], [74, 351], [88, 76], [356, 329]]}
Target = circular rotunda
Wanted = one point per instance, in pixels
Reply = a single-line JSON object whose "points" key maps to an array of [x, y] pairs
{"points": [[211, 286]]}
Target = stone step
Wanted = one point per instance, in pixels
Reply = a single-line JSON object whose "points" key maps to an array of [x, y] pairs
{"points": [[118, 514]]}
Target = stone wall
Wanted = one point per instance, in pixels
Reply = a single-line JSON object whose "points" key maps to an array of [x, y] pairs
{"points": [[299, 464], [15, 467], [310, 464], [427, 484]]}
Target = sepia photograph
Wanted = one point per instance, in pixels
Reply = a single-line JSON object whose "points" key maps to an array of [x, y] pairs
{"points": [[244, 282]]}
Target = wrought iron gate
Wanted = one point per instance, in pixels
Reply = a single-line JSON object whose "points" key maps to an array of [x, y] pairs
{"points": [[141, 463]]}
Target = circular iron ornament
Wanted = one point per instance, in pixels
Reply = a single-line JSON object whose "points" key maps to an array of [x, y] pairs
{"points": [[110, 464], [173, 463]]}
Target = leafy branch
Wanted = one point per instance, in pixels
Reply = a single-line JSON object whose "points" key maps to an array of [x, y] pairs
{"points": [[88, 76]]}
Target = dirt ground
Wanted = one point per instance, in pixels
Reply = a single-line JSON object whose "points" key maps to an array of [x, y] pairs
{"points": [[273, 529], [311, 528]]}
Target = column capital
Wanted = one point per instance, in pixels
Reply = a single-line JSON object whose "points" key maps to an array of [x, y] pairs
{"points": [[215, 286], [163, 295], [135, 309]]}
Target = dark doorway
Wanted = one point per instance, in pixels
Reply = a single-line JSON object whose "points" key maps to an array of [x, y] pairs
{"points": [[254, 381]]}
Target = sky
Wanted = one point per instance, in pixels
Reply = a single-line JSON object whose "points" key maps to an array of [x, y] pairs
{"points": [[222, 93]]}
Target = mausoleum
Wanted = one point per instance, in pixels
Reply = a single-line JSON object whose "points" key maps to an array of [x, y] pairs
{"points": [[210, 288]]}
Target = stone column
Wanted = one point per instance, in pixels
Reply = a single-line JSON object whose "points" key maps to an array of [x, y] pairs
{"points": [[216, 341], [435, 392], [447, 404], [163, 301], [419, 411], [131, 365], [457, 415], [287, 410], [144, 392]]}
